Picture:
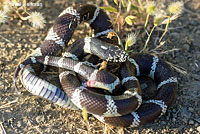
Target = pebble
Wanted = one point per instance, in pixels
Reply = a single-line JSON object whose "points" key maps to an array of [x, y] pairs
{"points": [[163, 122], [185, 112], [40, 118], [175, 35], [174, 119], [198, 128], [196, 124], [34, 45], [19, 124], [191, 109], [174, 110], [191, 129], [195, 86], [197, 55], [191, 122], [196, 76], [196, 42], [47, 107], [186, 47]]}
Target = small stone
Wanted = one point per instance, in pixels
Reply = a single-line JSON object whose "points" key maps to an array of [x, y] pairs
{"points": [[198, 128], [191, 109], [196, 76], [19, 124], [174, 110], [34, 46], [191, 122], [196, 41], [185, 112], [174, 119], [191, 129], [175, 35], [40, 118], [197, 55], [48, 106], [163, 122], [186, 47]]}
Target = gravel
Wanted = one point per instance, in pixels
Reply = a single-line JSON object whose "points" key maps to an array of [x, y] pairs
{"points": [[26, 113]]}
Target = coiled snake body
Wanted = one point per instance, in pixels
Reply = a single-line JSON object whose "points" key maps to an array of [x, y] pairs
{"points": [[126, 109]]}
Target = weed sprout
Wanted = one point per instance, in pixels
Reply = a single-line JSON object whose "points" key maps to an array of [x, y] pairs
{"points": [[37, 20], [10, 8]]}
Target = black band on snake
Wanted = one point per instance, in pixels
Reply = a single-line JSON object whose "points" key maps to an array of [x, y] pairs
{"points": [[126, 109]]}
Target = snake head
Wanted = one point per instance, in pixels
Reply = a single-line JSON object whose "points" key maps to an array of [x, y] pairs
{"points": [[104, 50], [115, 54]]}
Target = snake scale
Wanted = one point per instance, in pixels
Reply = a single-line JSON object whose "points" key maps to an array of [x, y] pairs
{"points": [[80, 78]]}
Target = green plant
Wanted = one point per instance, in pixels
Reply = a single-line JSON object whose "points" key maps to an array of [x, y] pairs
{"points": [[136, 11]]}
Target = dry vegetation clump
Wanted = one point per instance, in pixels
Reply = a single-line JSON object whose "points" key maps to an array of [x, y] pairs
{"points": [[21, 9]]}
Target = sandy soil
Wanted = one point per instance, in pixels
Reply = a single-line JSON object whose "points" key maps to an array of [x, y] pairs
{"points": [[26, 113]]}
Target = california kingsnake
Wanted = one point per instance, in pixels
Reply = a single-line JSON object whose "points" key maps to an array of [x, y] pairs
{"points": [[115, 110]]}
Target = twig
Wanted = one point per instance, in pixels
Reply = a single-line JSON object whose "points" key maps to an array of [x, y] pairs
{"points": [[88, 127], [34, 126], [2, 129], [6, 105], [7, 41], [160, 45], [118, 16], [197, 120], [166, 52], [178, 68]]}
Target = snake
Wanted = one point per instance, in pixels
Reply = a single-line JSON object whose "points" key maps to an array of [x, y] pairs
{"points": [[119, 102]]}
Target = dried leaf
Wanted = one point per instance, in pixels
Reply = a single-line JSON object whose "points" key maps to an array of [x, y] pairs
{"points": [[85, 114], [129, 19], [110, 9], [116, 2], [171, 19]]}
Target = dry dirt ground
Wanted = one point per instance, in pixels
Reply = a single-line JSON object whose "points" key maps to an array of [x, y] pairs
{"points": [[26, 113]]}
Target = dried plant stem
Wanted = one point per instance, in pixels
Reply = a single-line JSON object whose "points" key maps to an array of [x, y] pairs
{"points": [[146, 22], [11, 44], [8, 104], [165, 52], [21, 17], [3, 131], [88, 127], [160, 45], [118, 16], [147, 41], [178, 68], [166, 29]]}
